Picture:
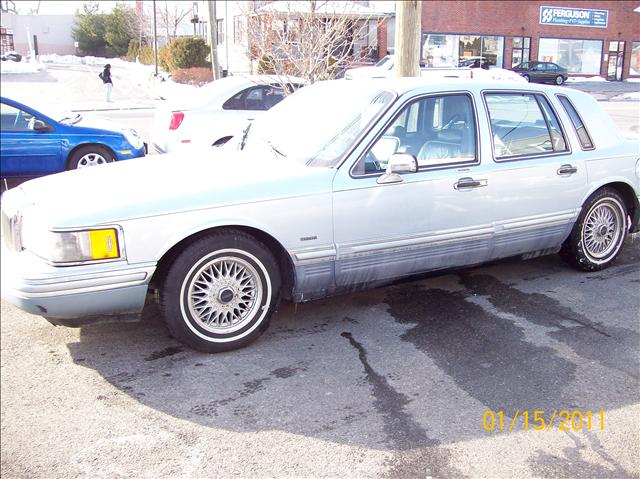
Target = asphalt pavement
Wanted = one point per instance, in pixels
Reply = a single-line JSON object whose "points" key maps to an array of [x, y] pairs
{"points": [[392, 382]]}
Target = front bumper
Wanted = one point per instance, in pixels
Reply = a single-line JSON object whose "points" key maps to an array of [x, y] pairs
{"points": [[73, 295]]}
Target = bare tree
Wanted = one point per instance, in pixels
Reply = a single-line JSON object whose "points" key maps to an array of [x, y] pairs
{"points": [[170, 15], [310, 39], [8, 6]]}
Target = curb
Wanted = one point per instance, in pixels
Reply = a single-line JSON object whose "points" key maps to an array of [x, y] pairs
{"points": [[126, 108]]}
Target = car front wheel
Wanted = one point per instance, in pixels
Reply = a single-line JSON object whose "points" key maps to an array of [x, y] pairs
{"points": [[220, 292], [89, 156], [597, 236], [559, 80]]}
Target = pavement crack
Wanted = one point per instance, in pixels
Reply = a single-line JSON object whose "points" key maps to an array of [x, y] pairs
{"points": [[400, 428]]}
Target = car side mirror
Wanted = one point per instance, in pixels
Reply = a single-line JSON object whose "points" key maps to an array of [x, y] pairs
{"points": [[398, 163], [39, 125]]}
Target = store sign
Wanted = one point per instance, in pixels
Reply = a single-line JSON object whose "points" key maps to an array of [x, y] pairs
{"points": [[574, 17]]}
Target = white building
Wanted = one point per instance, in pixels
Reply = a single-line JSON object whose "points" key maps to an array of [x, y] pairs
{"points": [[44, 33]]}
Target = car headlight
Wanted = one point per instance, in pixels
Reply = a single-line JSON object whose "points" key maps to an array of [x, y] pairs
{"points": [[67, 247], [133, 138]]}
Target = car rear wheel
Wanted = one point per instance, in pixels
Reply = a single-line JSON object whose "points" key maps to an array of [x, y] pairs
{"points": [[597, 236], [220, 292], [526, 77], [89, 156], [559, 80]]}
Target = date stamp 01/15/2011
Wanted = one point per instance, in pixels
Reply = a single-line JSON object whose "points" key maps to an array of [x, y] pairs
{"points": [[544, 420]]}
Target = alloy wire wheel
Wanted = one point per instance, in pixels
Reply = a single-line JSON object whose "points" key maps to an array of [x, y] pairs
{"points": [[91, 159], [223, 294], [602, 229], [87, 156], [219, 293], [559, 80], [598, 235]]}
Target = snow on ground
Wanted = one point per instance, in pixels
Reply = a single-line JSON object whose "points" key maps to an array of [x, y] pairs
{"points": [[9, 66], [633, 80], [633, 96], [496, 74], [141, 75], [582, 79]]}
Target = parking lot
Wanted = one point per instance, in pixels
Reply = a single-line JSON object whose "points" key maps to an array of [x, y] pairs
{"points": [[400, 381], [390, 382]]}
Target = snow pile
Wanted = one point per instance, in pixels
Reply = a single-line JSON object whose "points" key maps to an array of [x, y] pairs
{"points": [[633, 80], [75, 60], [583, 79], [496, 74], [9, 66], [633, 96]]}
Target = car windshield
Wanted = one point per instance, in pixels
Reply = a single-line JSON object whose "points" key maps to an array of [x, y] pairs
{"points": [[317, 124], [61, 116]]}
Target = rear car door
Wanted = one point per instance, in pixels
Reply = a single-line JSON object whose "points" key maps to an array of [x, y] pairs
{"points": [[26, 152], [536, 184]]}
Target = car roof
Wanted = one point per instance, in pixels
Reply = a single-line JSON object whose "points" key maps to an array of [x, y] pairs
{"points": [[405, 85]]}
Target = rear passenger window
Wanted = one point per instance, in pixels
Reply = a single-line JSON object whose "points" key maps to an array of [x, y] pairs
{"points": [[523, 124], [578, 125]]}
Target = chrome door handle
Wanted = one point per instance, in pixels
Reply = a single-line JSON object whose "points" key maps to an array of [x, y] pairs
{"points": [[567, 170], [466, 183]]}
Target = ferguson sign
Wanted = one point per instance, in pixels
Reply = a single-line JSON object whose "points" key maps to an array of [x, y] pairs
{"points": [[574, 17]]}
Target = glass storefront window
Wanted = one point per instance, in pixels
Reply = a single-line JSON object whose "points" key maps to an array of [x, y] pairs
{"points": [[440, 50], [521, 47], [577, 56], [634, 67]]}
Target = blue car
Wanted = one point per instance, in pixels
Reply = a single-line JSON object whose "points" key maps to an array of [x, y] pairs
{"points": [[34, 144]]}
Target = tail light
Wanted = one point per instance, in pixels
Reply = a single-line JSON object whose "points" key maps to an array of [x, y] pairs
{"points": [[176, 119]]}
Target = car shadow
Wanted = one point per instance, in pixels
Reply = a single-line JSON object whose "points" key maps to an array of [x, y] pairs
{"points": [[407, 367]]}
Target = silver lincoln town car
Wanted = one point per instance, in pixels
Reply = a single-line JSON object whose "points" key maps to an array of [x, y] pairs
{"points": [[343, 185]]}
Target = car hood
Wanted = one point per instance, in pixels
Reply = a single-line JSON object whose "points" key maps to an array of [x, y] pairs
{"points": [[164, 184], [97, 123]]}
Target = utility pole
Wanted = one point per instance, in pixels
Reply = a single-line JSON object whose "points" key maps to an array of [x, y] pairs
{"points": [[155, 39], [213, 38], [408, 33]]}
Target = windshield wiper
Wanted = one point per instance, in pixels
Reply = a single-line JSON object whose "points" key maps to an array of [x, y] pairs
{"points": [[274, 148], [245, 133], [75, 119]]}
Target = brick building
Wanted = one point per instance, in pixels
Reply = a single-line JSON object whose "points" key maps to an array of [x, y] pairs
{"points": [[586, 37]]}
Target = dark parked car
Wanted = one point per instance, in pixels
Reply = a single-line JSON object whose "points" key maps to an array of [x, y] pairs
{"points": [[13, 56], [475, 62], [36, 144], [542, 72]]}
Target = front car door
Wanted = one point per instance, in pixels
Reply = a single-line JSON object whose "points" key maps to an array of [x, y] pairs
{"points": [[538, 72], [25, 152], [432, 219]]}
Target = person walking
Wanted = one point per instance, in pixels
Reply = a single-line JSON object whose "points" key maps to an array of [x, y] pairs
{"points": [[105, 76]]}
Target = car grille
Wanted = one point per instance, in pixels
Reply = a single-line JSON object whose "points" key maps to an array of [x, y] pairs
{"points": [[11, 230]]}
